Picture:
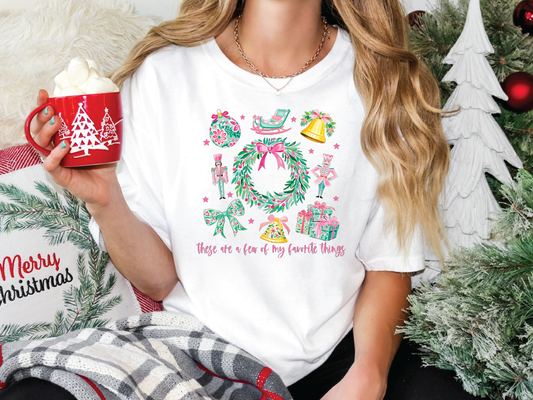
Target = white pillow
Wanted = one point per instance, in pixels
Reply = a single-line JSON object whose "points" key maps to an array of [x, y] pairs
{"points": [[53, 278]]}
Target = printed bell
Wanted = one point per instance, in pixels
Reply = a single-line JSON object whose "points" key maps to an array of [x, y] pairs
{"points": [[274, 233], [315, 131]]}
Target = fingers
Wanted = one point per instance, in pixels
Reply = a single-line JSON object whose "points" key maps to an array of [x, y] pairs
{"points": [[47, 130], [43, 117], [53, 161]]}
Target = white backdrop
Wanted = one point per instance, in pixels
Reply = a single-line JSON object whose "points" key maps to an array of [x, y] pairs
{"points": [[167, 9]]}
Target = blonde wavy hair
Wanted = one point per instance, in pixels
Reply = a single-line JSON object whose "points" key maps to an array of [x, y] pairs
{"points": [[402, 133]]}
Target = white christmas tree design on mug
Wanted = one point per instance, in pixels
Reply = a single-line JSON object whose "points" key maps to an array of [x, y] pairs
{"points": [[85, 137]]}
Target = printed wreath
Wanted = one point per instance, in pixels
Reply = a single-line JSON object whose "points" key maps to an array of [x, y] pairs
{"points": [[295, 188], [314, 114]]}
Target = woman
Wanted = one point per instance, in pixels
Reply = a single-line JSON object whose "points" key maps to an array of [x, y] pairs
{"points": [[290, 306]]}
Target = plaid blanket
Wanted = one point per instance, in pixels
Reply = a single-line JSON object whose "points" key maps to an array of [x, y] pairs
{"points": [[152, 356]]}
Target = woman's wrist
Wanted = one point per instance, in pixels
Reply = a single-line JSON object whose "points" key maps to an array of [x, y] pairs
{"points": [[106, 203]]}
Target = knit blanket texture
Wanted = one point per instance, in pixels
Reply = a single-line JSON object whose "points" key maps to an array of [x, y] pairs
{"points": [[153, 356]]}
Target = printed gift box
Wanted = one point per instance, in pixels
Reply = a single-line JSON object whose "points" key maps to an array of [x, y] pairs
{"points": [[320, 211], [324, 230], [303, 221]]}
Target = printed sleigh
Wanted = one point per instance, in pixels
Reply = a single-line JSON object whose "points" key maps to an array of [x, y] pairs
{"points": [[273, 126]]}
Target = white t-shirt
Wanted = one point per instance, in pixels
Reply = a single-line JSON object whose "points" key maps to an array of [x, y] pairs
{"points": [[289, 302]]}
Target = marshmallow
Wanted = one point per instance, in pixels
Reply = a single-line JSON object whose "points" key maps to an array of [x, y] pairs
{"points": [[71, 91], [78, 71], [99, 85], [94, 65], [61, 80], [82, 77]]}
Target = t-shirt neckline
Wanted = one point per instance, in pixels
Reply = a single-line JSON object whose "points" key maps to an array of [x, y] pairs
{"points": [[317, 72]]}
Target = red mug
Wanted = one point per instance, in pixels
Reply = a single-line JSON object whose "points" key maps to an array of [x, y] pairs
{"points": [[91, 123]]}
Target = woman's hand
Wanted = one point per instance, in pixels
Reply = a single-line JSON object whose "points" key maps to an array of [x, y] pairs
{"points": [[90, 184], [363, 381]]}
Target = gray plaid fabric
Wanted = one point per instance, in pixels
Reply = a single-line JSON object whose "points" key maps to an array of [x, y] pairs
{"points": [[148, 357]]}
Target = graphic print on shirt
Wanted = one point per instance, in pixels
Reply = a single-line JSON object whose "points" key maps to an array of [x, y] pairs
{"points": [[274, 232], [317, 222], [323, 172], [320, 124], [219, 175], [289, 153], [272, 126], [234, 210], [224, 130]]}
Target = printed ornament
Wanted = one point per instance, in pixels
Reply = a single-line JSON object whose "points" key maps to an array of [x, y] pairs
{"points": [[275, 233], [302, 222], [224, 131], [320, 124], [322, 173], [325, 230], [273, 126], [234, 210], [523, 16], [287, 155], [519, 89]]}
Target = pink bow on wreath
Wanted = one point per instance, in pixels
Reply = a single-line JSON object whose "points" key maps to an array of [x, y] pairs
{"points": [[277, 148], [224, 114], [272, 219], [324, 117], [327, 222]]}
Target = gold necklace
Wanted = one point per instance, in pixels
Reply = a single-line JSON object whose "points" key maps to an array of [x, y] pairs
{"points": [[265, 76]]}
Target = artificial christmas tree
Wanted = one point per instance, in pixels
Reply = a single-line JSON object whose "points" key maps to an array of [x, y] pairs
{"points": [[478, 319]]}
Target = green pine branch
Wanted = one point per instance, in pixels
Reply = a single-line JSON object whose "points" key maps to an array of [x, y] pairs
{"points": [[64, 221]]}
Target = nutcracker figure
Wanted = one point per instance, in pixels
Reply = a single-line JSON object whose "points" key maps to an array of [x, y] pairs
{"points": [[323, 172], [219, 175]]}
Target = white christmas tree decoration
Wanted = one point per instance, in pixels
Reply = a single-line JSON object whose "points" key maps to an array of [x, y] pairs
{"points": [[84, 134], [108, 132], [64, 132], [479, 144]]}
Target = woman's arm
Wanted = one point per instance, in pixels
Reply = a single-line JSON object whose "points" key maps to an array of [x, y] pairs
{"points": [[135, 248], [377, 314]]}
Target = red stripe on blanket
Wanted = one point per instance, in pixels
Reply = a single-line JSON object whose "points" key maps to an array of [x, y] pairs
{"points": [[18, 157], [91, 384], [2, 384], [146, 303], [261, 379]]}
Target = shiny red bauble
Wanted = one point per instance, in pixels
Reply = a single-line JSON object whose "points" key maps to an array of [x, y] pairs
{"points": [[523, 16], [519, 88]]}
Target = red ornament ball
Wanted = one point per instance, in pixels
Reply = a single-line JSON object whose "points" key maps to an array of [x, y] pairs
{"points": [[519, 88], [523, 16], [416, 19]]}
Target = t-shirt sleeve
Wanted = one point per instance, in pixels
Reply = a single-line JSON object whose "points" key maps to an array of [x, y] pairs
{"points": [[379, 251], [138, 171]]}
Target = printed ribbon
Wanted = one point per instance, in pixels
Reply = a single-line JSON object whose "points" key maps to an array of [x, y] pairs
{"points": [[327, 222], [305, 215], [272, 219], [224, 114], [277, 148], [316, 114], [322, 207], [235, 208]]}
